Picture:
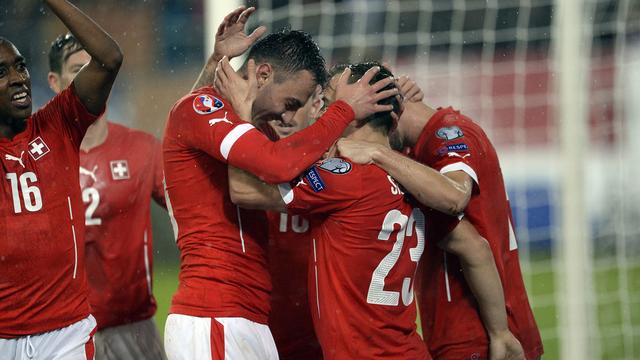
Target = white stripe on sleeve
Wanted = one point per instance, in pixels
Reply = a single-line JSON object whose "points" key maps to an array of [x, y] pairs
{"points": [[232, 137], [460, 166], [286, 193]]}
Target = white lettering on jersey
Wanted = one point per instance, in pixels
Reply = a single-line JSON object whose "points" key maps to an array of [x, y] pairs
{"points": [[395, 188], [222, 119], [14, 158]]}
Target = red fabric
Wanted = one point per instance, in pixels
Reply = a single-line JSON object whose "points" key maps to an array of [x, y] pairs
{"points": [[89, 346], [37, 253], [347, 217], [224, 270], [455, 327], [290, 320], [119, 241], [217, 340]]}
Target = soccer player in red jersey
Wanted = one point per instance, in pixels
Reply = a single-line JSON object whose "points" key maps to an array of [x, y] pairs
{"points": [[44, 310], [452, 320], [367, 241], [120, 172], [289, 246], [221, 307]]}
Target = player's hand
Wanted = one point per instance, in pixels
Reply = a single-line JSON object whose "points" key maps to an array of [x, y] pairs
{"points": [[360, 152], [238, 91], [505, 346], [231, 39], [362, 96], [409, 89]]}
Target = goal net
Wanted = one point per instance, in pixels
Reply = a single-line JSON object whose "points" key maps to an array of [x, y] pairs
{"points": [[495, 60]]}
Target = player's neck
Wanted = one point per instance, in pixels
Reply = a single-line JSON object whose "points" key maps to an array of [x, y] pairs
{"points": [[96, 135], [413, 120], [369, 134], [9, 129]]}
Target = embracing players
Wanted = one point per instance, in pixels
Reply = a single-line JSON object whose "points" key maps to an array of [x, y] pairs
{"points": [[221, 307], [367, 240], [43, 292], [120, 172], [451, 306]]}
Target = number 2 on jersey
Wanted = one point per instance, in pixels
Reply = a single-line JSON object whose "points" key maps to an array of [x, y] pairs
{"points": [[91, 196], [30, 193], [377, 294]]}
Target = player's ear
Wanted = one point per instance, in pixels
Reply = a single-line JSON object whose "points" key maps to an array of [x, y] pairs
{"points": [[55, 82], [264, 74]]}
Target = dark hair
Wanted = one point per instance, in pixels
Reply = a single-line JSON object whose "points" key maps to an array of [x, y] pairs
{"points": [[62, 47], [382, 121], [290, 51]]}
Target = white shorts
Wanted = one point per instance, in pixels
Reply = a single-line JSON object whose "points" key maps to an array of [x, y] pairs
{"points": [[74, 342], [189, 337]]}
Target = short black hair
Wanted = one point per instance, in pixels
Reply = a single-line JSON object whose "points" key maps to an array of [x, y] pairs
{"points": [[62, 47], [382, 121], [290, 51]]}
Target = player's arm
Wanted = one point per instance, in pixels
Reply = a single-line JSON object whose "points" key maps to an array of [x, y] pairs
{"points": [[479, 268], [249, 192], [281, 161], [449, 193], [157, 192], [93, 83], [231, 41]]}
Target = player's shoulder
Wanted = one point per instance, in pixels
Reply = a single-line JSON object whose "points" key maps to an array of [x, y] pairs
{"points": [[450, 124], [334, 174], [202, 101], [133, 137]]}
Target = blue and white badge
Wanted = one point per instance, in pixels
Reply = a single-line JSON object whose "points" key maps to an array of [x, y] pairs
{"points": [[206, 104], [314, 179], [458, 147], [449, 133], [336, 166]]}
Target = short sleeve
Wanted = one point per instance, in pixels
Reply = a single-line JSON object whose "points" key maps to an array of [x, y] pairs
{"points": [[67, 114], [207, 123], [328, 186], [449, 146]]}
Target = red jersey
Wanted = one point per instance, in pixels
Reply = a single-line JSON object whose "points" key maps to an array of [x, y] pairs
{"points": [[118, 179], [42, 276], [223, 268], [451, 323], [367, 241], [290, 320]]}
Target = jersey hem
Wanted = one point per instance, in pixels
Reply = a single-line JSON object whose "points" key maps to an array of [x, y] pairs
{"points": [[44, 329]]}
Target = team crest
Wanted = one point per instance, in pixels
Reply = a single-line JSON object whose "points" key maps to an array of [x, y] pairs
{"points": [[449, 133], [205, 104], [119, 169], [38, 148], [336, 166]]}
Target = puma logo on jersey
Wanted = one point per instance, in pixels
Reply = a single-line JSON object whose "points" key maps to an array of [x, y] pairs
{"points": [[222, 119], [452, 154], [91, 173], [13, 158]]}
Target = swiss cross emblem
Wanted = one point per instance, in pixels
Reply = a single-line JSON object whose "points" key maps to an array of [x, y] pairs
{"points": [[119, 169], [38, 148]]}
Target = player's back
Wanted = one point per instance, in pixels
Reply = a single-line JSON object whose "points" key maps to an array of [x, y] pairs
{"points": [[223, 270], [367, 241], [452, 140]]}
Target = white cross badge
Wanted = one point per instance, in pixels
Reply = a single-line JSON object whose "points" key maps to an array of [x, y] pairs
{"points": [[119, 169], [38, 148]]}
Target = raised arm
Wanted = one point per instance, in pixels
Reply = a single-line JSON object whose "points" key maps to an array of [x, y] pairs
{"points": [[231, 41], [479, 269], [448, 193], [93, 83], [281, 161]]}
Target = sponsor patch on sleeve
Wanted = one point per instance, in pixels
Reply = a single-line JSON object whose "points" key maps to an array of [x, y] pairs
{"points": [[449, 133], [314, 179], [206, 104], [336, 166]]}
